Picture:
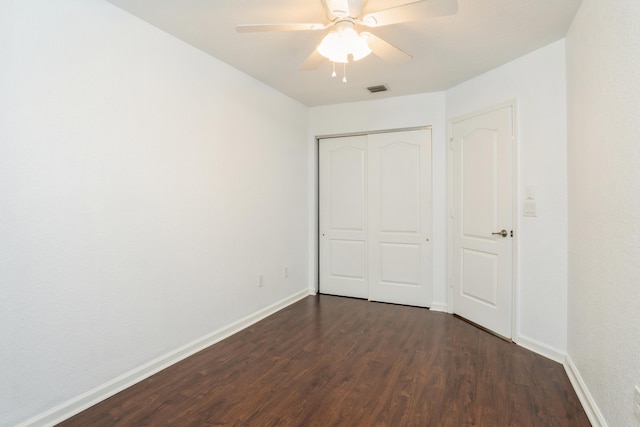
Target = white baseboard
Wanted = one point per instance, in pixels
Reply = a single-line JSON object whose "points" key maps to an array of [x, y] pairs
{"points": [[439, 306], [589, 405], [540, 348], [78, 404]]}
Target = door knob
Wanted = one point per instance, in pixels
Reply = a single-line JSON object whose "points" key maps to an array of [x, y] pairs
{"points": [[502, 233]]}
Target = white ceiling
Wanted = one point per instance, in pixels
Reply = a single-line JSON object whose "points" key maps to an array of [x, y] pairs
{"points": [[446, 51]]}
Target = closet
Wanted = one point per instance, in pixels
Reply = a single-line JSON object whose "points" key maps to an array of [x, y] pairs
{"points": [[375, 216]]}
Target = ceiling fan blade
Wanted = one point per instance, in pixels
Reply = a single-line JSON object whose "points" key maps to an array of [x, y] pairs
{"points": [[386, 50], [312, 62], [255, 28], [419, 10]]}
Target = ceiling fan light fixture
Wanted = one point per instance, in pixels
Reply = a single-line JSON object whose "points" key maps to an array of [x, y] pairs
{"points": [[342, 42]]}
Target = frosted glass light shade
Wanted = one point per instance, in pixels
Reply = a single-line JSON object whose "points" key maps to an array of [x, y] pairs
{"points": [[339, 44]]}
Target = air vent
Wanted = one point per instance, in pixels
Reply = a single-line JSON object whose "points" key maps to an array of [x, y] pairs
{"points": [[379, 88]]}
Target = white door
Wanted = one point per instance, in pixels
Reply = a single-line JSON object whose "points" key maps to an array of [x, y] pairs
{"points": [[375, 217], [400, 217], [343, 216], [482, 205]]}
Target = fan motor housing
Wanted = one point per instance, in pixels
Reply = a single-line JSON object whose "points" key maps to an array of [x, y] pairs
{"points": [[340, 9]]}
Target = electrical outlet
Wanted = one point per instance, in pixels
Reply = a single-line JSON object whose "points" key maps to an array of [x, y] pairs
{"points": [[636, 402], [260, 280], [285, 272]]}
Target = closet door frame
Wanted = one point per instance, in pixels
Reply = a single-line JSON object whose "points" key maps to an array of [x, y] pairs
{"points": [[316, 273]]}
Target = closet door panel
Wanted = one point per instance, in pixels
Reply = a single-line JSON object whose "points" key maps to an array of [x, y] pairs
{"points": [[400, 217], [343, 217]]}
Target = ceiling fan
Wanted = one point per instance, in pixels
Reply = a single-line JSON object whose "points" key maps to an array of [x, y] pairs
{"points": [[343, 41]]}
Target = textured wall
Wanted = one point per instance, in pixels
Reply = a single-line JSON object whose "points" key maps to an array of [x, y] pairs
{"points": [[603, 63], [144, 186]]}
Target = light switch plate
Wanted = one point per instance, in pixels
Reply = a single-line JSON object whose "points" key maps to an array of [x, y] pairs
{"points": [[530, 208], [530, 192]]}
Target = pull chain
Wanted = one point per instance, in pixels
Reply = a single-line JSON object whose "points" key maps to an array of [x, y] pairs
{"points": [[344, 73], [334, 70]]}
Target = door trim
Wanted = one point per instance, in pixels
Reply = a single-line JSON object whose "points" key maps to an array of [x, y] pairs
{"points": [[373, 132], [515, 172]]}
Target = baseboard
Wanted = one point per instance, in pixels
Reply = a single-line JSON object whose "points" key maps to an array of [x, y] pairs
{"points": [[439, 306], [78, 404], [540, 348], [589, 405]]}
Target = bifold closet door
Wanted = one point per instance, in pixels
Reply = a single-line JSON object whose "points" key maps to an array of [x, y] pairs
{"points": [[375, 217]]}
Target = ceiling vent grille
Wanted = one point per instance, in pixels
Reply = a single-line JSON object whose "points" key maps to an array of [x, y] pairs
{"points": [[378, 88]]}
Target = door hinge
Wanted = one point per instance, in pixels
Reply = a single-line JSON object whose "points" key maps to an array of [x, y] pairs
{"points": [[452, 213], [450, 143], [451, 281]]}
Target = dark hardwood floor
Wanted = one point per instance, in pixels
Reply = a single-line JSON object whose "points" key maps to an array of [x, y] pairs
{"points": [[332, 361]]}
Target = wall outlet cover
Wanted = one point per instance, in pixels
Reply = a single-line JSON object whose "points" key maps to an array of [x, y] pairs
{"points": [[636, 402]]}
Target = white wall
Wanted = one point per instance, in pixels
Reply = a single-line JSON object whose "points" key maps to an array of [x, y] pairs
{"points": [[537, 83], [603, 59], [382, 114], [144, 186]]}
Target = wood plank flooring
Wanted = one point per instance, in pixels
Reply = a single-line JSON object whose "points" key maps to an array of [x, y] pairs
{"points": [[332, 361]]}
